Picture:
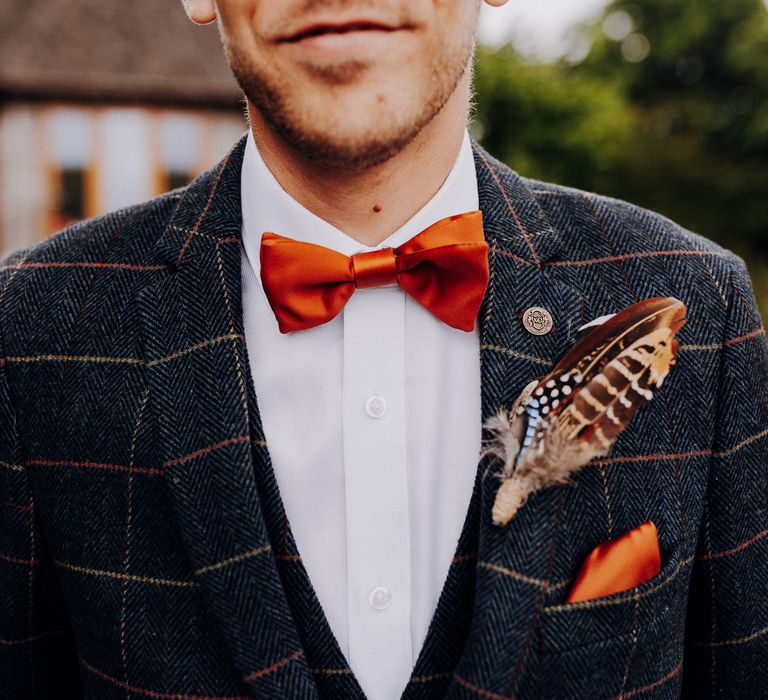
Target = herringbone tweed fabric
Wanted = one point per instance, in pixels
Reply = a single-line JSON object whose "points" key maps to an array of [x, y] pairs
{"points": [[144, 549]]}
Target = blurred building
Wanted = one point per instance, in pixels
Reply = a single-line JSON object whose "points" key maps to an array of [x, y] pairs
{"points": [[104, 103]]}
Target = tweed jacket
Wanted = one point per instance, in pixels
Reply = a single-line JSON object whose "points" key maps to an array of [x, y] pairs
{"points": [[144, 550]]}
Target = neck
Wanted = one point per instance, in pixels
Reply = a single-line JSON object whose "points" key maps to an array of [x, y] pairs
{"points": [[370, 205]]}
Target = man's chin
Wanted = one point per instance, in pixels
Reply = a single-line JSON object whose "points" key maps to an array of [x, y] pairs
{"points": [[339, 148], [357, 157], [341, 131]]}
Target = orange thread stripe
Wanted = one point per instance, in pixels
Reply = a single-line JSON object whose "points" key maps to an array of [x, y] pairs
{"points": [[738, 548], [477, 689], [155, 693], [270, 669], [200, 234], [463, 557], [151, 471], [629, 256], [752, 334], [511, 210], [507, 254], [206, 450], [205, 209], [8, 505], [22, 562]]}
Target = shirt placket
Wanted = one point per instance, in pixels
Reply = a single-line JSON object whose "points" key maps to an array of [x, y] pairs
{"points": [[376, 490]]}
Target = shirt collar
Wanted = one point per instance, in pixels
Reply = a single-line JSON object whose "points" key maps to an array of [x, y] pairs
{"points": [[266, 206]]}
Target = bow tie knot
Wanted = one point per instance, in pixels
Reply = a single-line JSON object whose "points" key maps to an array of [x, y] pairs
{"points": [[444, 268], [374, 268]]}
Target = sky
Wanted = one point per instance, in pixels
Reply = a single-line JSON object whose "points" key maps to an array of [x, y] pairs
{"points": [[537, 27]]}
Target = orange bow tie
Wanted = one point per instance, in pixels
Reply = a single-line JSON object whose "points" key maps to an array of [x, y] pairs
{"points": [[445, 268]]}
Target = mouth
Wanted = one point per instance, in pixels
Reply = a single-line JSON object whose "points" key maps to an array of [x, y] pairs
{"points": [[320, 29]]}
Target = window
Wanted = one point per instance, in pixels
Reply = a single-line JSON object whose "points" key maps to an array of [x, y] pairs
{"points": [[176, 178], [71, 202], [181, 145], [68, 140]]}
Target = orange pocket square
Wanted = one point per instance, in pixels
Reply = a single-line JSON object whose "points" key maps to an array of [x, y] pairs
{"points": [[618, 565]]}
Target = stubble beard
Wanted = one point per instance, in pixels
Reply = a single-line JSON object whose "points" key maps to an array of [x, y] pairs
{"points": [[383, 139]]}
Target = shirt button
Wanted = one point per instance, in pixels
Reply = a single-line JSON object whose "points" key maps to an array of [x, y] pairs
{"points": [[375, 406], [380, 597]]}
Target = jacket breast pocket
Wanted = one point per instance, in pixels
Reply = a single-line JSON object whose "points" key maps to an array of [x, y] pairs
{"points": [[611, 645]]}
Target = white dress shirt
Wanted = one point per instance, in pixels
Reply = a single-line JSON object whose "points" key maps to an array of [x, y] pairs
{"points": [[372, 422]]}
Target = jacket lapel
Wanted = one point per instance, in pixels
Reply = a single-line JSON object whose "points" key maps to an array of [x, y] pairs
{"points": [[196, 371], [514, 561]]}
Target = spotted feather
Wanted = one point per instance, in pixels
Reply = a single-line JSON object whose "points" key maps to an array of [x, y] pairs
{"points": [[576, 412]]}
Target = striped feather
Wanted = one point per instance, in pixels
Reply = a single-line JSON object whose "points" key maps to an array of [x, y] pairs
{"points": [[576, 412]]}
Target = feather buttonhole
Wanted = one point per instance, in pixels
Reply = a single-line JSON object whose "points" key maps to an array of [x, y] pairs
{"points": [[563, 420]]}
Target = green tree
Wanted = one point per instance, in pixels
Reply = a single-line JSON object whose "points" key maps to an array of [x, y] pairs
{"points": [[668, 110]]}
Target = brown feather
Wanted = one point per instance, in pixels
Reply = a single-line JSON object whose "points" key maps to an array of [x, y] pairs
{"points": [[575, 413]]}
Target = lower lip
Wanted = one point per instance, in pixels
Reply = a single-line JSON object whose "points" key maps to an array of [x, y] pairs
{"points": [[346, 42]]}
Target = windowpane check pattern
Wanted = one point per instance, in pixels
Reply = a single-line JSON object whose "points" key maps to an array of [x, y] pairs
{"points": [[144, 549]]}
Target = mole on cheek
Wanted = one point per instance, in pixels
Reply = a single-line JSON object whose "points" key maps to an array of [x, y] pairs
{"points": [[377, 208]]}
